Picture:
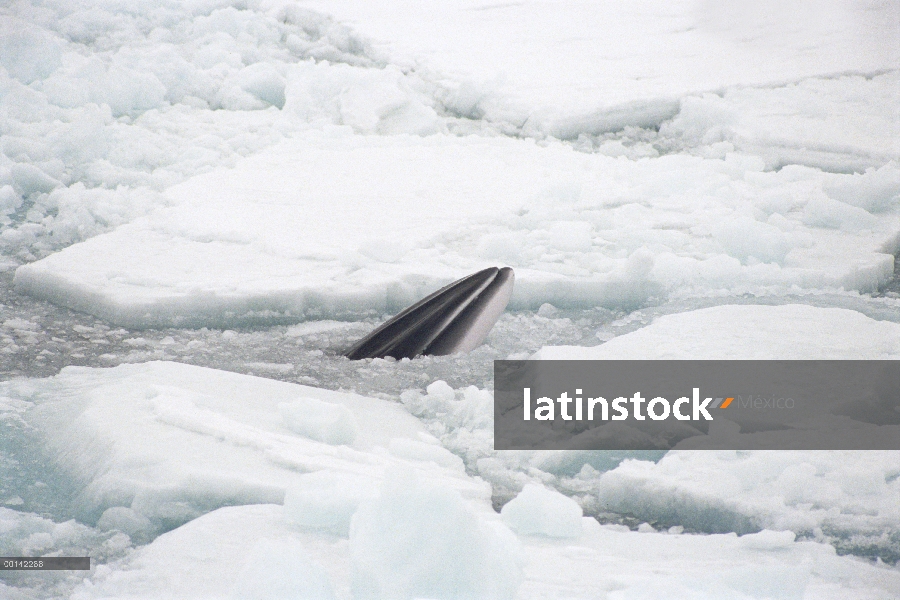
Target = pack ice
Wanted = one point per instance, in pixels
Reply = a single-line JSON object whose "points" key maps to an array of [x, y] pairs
{"points": [[250, 488], [356, 184], [219, 162], [846, 498], [337, 226]]}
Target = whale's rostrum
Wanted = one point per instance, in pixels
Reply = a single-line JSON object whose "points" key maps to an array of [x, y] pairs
{"points": [[456, 318]]}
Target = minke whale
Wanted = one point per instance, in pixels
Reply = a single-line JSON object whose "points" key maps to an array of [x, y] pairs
{"points": [[456, 318]]}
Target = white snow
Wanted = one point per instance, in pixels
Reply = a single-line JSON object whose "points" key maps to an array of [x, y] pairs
{"points": [[604, 562], [342, 209], [791, 331], [539, 511], [221, 163], [344, 225], [823, 495], [171, 441], [570, 67]]}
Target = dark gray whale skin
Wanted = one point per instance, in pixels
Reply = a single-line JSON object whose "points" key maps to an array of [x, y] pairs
{"points": [[456, 318]]}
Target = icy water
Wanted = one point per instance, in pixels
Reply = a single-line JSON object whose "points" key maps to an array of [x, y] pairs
{"points": [[38, 339]]}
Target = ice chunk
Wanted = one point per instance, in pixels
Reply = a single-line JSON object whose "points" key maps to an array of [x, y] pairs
{"points": [[169, 442], [825, 212], [876, 190], [264, 82], [749, 332], [440, 391], [322, 421], [327, 500], [747, 239], [539, 511], [281, 569], [30, 179], [128, 91], [138, 527], [417, 540], [28, 53], [9, 200]]}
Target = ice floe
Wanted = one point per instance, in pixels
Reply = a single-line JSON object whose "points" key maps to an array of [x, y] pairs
{"points": [[368, 520], [570, 68], [791, 331], [106, 112], [329, 226]]}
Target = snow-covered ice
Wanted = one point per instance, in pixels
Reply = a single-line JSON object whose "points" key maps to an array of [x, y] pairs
{"points": [[290, 173], [791, 331], [539, 511], [156, 445], [814, 494], [567, 68], [105, 115], [125, 433], [346, 225], [160, 444], [603, 562]]}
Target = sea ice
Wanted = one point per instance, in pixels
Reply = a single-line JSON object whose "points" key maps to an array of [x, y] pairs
{"points": [[845, 498], [237, 552], [261, 162], [114, 430], [324, 239], [568, 68], [420, 541], [792, 331], [105, 113], [539, 511], [166, 442], [327, 501], [209, 558]]}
